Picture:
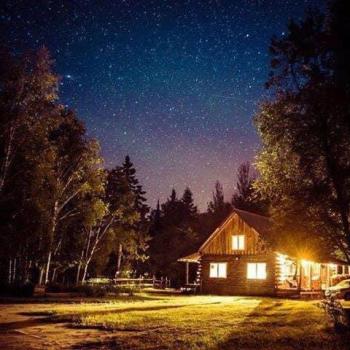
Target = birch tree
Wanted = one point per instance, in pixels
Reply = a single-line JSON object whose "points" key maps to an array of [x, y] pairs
{"points": [[108, 215], [29, 90], [75, 171]]}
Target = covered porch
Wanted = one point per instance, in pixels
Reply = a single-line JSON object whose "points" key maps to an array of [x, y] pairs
{"points": [[307, 275], [191, 285]]}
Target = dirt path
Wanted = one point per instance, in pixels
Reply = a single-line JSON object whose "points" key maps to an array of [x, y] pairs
{"points": [[21, 327]]}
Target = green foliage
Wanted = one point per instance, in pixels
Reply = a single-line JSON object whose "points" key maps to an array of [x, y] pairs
{"points": [[305, 159], [174, 231], [58, 206]]}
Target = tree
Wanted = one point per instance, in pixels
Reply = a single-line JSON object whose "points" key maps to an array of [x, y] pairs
{"points": [[110, 214], [218, 209], [135, 187], [174, 234], [28, 92], [305, 159], [136, 235], [75, 170], [188, 202], [27, 108], [246, 197]]}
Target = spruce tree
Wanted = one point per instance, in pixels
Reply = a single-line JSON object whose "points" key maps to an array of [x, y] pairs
{"points": [[188, 202]]}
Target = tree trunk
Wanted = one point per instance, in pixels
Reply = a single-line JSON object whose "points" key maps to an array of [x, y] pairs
{"points": [[78, 273], [48, 267], [28, 271], [119, 261], [52, 236], [53, 278], [6, 163], [89, 259], [10, 272], [85, 271], [14, 270], [41, 276]]}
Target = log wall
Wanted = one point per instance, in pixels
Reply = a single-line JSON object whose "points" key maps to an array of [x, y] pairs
{"points": [[236, 282]]}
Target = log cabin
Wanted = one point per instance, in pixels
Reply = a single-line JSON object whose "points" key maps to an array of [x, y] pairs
{"points": [[236, 259]]}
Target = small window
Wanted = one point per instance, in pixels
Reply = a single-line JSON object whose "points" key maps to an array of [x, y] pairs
{"points": [[238, 242], [218, 270], [256, 271]]}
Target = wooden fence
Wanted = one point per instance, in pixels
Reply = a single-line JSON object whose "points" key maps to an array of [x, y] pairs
{"points": [[140, 282]]}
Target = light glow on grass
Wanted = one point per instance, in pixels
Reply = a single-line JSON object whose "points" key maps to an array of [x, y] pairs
{"points": [[208, 322]]}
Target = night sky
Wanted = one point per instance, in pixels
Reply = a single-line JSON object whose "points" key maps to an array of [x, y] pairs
{"points": [[174, 84]]}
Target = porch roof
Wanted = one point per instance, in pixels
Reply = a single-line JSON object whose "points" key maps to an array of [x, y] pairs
{"points": [[192, 258]]}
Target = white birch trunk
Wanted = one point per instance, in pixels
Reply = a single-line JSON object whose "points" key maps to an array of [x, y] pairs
{"points": [[10, 272], [7, 159], [41, 276], [48, 267], [119, 261]]}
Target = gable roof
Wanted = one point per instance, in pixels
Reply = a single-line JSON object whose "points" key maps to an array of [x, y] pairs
{"points": [[259, 223]]}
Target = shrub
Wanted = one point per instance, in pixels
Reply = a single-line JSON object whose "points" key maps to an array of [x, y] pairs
{"points": [[17, 290], [92, 290], [56, 288]]}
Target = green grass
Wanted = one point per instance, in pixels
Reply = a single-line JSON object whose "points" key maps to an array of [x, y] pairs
{"points": [[208, 322]]}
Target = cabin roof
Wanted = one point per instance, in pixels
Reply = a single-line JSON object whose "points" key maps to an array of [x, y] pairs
{"points": [[259, 223]]}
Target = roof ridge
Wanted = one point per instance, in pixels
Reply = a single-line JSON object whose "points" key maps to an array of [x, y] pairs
{"points": [[251, 213]]}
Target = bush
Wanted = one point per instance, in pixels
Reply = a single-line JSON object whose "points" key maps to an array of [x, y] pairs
{"points": [[92, 290], [104, 290], [56, 288], [24, 290]]}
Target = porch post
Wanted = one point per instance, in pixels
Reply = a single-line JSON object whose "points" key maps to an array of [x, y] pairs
{"points": [[187, 272]]}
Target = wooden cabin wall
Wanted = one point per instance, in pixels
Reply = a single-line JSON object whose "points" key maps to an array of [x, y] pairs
{"points": [[222, 242], [236, 282]]}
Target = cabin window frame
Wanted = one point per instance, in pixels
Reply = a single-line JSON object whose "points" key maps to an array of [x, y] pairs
{"points": [[238, 242], [218, 272], [254, 273]]}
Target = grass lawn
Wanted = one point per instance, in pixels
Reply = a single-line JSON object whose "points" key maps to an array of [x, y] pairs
{"points": [[204, 322]]}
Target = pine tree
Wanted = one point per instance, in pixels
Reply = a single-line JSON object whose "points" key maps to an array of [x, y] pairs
{"points": [[136, 188], [218, 206], [246, 197], [187, 200]]}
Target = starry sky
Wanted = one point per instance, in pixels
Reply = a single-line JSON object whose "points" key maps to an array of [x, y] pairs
{"points": [[174, 84]]}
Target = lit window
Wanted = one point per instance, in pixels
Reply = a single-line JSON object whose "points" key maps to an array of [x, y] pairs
{"points": [[218, 270], [256, 271], [238, 242]]}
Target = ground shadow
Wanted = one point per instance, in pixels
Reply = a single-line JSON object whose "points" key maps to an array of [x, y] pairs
{"points": [[32, 322], [57, 299], [108, 344], [263, 336]]}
